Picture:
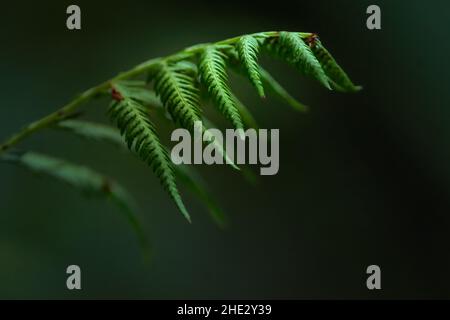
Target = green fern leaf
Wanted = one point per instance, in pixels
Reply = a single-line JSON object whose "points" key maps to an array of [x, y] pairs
{"points": [[214, 76], [139, 133], [338, 78], [92, 131], [247, 48], [291, 48], [83, 179], [186, 175], [180, 96], [269, 83], [178, 92], [280, 92]]}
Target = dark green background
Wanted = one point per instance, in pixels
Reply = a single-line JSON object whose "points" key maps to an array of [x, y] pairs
{"points": [[364, 179]]}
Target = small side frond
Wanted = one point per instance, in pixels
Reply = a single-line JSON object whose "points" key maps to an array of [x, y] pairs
{"points": [[214, 76], [247, 48], [84, 180], [139, 133]]}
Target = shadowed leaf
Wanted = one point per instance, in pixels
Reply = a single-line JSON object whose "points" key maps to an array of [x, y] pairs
{"points": [[85, 180]]}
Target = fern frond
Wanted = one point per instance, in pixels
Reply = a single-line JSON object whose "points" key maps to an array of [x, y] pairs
{"points": [[214, 76], [187, 113], [280, 92], [92, 131], [176, 87], [248, 48], [179, 94], [338, 78], [269, 83], [187, 176], [291, 48], [82, 179], [139, 133], [176, 83]]}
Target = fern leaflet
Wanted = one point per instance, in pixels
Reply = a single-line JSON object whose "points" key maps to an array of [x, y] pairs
{"points": [[291, 48], [247, 48], [178, 93], [139, 133], [214, 76]]}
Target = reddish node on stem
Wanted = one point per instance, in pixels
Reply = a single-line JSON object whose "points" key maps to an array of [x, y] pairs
{"points": [[312, 40], [116, 95]]}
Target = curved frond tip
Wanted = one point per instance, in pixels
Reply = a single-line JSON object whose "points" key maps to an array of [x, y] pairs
{"points": [[338, 79]]}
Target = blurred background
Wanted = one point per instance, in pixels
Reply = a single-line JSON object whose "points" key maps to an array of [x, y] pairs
{"points": [[364, 179]]}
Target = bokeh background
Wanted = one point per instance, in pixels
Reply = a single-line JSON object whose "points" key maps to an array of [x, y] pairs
{"points": [[364, 179]]}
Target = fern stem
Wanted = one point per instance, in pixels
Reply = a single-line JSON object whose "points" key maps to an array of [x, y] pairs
{"points": [[72, 106], [50, 119], [87, 95]]}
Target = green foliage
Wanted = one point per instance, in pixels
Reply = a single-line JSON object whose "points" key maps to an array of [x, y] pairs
{"points": [[291, 48], [176, 87], [269, 83], [138, 91], [173, 90], [214, 76], [187, 176], [247, 117], [177, 90], [248, 48], [139, 133], [83, 179]]}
